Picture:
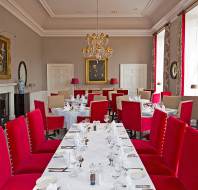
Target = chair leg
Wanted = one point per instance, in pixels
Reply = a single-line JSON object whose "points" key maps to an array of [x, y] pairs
{"points": [[140, 135]]}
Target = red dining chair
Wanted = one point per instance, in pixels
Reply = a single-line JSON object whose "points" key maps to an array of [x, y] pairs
{"points": [[7, 180], [98, 110], [79, 92], [114, 103], [132, 119], [90, 98], [23, 161], [165, 93], [185, 111], [90, 91], [106, 93], [156, 98], [37, 136], [167, 163], [51, 123], [188, 166], [124, 92], [155, 144]]}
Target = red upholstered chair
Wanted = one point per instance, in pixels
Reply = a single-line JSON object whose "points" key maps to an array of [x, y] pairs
{"points": [[125, 92], [51, 123], [165, 93], [132, 119], [90, 91], [113, 102], [106, 93], [90, 98], [7, 181], [185, 111], [167, 164], [98, 110], [156, 98], [155, 144], [188, 166], [79, 92], [37, 136], [23, 161]]}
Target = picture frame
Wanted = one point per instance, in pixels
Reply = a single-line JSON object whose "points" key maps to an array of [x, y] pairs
{"points": [[96, 71], [5, 60]]}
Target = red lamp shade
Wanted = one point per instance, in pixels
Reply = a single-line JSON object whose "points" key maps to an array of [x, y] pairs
{"points": [[114, 81], [75, 81]]}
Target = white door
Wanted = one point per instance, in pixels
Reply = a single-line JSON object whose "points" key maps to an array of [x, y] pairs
{"points": [[59, 77], [133, 76]]}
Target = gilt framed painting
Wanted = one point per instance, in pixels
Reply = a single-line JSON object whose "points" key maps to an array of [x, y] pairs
{"points": [[96, 71], [5, 67]]}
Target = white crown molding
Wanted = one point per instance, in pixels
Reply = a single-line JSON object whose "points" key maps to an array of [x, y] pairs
{"points": [[112, 33], [172, 15], [52, 14], [22, 15]]}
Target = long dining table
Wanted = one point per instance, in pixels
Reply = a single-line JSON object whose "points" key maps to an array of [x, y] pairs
{"points": [[103, 145]]}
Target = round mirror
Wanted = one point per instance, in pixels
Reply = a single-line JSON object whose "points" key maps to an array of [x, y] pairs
{"points": [[173, 70], [22, 72]]}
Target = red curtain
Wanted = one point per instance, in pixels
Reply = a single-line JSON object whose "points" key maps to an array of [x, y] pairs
{"points": [[155, 59], [183, 52]]}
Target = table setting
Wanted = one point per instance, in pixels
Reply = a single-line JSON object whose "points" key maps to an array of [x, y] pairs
{"points": [[96, 156]]}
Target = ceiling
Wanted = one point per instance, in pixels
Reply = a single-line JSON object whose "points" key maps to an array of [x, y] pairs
{"points": [[59, 17]]}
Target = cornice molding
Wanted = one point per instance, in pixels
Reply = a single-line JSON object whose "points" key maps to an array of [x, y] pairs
{"points": [[171, 15], [21, 14], [111, 32]]}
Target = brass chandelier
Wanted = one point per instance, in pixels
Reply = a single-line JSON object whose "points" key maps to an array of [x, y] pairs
{"points": [[97, 44]]}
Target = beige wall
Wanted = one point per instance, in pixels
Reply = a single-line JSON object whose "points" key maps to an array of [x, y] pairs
{"points": [[26, 46], [126, 50]]}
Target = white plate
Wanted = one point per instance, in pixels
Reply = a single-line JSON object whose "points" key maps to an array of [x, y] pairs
{"points": [[44, 181]]}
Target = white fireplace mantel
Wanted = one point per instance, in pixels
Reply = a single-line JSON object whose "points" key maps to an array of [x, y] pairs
{"points": [[9, 88]]}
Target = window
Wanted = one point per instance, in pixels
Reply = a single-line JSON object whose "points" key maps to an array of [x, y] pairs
{"points": [[160, 61], [191, 53]]}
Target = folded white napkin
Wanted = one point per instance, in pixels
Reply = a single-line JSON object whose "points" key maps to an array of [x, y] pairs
{"points": [[72, 98], [52, 186], [67, 107]]}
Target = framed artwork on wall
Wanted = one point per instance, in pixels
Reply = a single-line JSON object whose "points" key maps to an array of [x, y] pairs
{"points": [[5, 62], [96, 71]]}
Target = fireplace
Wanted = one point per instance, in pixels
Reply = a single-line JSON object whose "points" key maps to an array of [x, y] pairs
{"points": [[6, 102], [4, 108]]}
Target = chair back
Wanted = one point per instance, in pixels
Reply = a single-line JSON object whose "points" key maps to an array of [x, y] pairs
{"points": [[56, 101], [79, 92], [105, 92], [145, 95], [113, 102], [99, 98], [5, 166], [165, 93], [124, 92], [171, 101], [18, 140], [119, 100], [36, 129], [173, 142], [158, 128], [64, 93], [185, 111], [139, 90], [156, 98], [41, 106], [131, 115], [98, 110], [188, 165], [110, 94], [90, 98]]}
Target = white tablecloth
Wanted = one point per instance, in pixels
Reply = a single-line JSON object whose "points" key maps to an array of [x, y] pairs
{"points": [[96, 152], [148, 112], [70, 117]]}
